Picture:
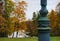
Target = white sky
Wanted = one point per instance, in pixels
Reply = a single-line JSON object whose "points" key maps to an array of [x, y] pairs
{"points": [[34, 6]]}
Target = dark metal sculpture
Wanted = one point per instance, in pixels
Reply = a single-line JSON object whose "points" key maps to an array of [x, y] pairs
{"points": [[43, 23]]}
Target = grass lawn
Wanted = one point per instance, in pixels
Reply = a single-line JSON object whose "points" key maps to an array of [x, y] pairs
{"points": [[28, 39], [55, 39]]}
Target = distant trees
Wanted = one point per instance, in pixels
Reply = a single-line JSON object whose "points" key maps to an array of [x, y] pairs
{"points": [[32, 25], [29, 27], [35, 23]]}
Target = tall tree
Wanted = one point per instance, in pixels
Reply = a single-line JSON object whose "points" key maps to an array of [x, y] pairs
{"points": [[58, 14], [2, 21], [8, 8], [19, 16], [53, 22], [19, 11]]}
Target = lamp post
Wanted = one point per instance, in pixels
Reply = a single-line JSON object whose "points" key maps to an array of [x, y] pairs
{"points": [[43, 23]]}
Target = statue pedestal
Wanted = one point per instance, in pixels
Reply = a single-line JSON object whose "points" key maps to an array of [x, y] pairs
{"points": [[43, 29]]}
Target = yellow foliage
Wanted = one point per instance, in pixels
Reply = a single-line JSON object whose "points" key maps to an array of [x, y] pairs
{"points": [[19, 17], [53, 18], [15, 19]]}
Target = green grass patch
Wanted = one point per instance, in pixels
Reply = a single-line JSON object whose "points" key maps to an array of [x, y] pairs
{"points": [[18, 39], [28, 39], [55, 39]]}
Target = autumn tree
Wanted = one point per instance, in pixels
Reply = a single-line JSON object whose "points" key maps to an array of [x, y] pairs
{"points": [[53, 18], [8, 8], [19, 16], [19, 11], [58, 14], [53, 22], [2, 21]]}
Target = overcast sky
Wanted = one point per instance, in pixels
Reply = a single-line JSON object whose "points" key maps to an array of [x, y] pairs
{"points": [[34, 6]]}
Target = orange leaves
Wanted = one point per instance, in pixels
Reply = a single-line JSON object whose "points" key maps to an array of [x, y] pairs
{"points": [[23, 26], [19, 17], [54, 22], [52, 14], [20, 8], [15, 19], [32, 27], [19, 11], [23, 3], [2, 20], [53, 18]]}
